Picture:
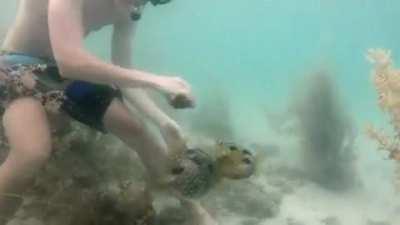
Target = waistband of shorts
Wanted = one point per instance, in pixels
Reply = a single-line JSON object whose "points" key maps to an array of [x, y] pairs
{"points": [[12, 60], [34, 59]]}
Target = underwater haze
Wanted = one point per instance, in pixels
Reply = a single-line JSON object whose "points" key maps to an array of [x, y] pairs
{"points": [[290, 80]]}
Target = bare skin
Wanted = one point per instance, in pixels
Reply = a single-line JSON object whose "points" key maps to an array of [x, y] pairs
{"points": [[56, 29], [29, 139]]}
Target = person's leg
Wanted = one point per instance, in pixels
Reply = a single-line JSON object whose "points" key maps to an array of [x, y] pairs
{"points": [[27, 129], [134, 133], [100, 107]]}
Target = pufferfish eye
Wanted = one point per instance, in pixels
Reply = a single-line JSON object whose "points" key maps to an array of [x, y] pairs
{"points": [[246, 152], [246, 160], [233, 148]]}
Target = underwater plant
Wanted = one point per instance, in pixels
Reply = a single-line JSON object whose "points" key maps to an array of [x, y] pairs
{"points": [[326, 134], [386, 79]]}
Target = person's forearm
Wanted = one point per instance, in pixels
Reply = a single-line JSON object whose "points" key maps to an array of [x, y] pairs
{"points": [[81, 65], [139, 99]]}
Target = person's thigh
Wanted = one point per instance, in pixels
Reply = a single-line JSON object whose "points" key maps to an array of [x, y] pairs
{"points": [[120, 122], [27, 129]]}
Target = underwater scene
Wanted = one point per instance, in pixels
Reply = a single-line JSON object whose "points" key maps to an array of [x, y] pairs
{"points": [[296, 122]]}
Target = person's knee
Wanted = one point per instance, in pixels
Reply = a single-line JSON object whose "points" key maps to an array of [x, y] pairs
{"points": [[22, 105]]}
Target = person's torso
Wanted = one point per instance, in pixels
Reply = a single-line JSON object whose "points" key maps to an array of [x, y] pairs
{"points": [[30, 32]]}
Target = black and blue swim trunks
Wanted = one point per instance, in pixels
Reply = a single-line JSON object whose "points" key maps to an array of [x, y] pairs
{"points": [[24, 75]]}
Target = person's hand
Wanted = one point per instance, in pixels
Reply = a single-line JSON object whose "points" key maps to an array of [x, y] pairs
{"points": [[177, 91]]}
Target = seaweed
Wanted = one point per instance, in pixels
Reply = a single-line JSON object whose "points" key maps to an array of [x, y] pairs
{"points": [[326, 134]]}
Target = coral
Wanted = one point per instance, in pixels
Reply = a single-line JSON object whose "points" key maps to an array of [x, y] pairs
{"points": [[385, 142], [386, 79]]}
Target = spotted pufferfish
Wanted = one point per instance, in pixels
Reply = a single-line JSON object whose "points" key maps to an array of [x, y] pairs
{"points": [[198, 171]]}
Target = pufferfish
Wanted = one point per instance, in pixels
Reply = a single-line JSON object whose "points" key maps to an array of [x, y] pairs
{"points": [[199, 171]]}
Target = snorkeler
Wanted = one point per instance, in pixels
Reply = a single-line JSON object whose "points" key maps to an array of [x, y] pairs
{"points": [[46, 73]]}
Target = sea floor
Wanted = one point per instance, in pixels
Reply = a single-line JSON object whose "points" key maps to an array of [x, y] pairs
{"points": [[278, 194]]}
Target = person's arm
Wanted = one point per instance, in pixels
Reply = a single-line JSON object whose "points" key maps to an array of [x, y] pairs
{"points": [[137, 97], [66, 36]]}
